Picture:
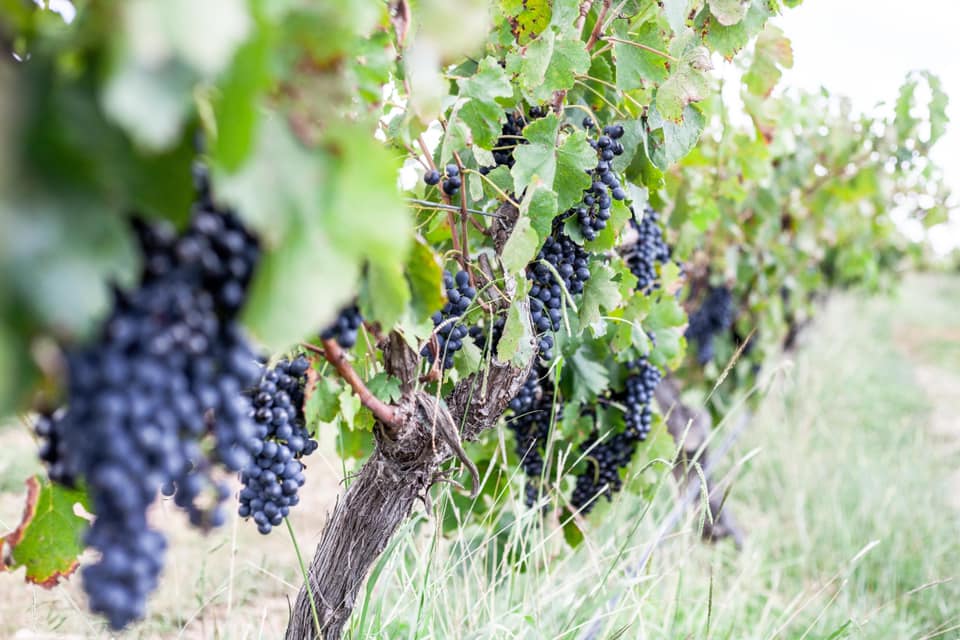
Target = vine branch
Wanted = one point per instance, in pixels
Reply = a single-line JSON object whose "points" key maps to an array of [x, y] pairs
{"points": [[598, 26], [382, 411]]}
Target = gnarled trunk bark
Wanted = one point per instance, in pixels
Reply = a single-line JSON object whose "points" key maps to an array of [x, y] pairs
{"points": [[401, 471]]}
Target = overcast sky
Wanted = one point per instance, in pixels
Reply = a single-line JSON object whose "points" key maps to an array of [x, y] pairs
{"points": [[864, 48]]}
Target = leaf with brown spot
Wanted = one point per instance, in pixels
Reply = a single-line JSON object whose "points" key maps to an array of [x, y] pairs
{"points": [[49, 538]]}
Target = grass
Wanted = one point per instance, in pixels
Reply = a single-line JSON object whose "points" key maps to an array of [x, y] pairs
{"points": [[843, 481], [840, 483]]}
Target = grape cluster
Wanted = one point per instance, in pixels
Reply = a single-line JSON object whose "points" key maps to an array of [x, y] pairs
{"points": [[451, 334], [637, 397], [649, 249], [451, 179], [155, 401], [274, 476], [345, 328], [480, 334], [714, 316], [570, 261], [530, 424], [48, 428], [602, 475], [607, 458], [594, 209], [511, 135]]}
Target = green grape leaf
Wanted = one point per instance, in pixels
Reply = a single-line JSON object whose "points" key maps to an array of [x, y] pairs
{"points": [[323, 213], [665, 321], [349, 406], [488, 83], [299, 287], [729, 12], [527, 18], [728, 40], [366, 216], [385, 386], [424, 274], [386, 294], [323, 402], [516, 344], [500, 177], [629, 332], [540, 206], [573, 157], [236, 106], [49, 539], [600, 292], [939, 101], [667, 141], [537, 158], [771, 53], [688, 81], [469, 358], [643, 171], [481, 112], [521, 247], [150, 104], [572, 534], [561, 168], [637, 66], [353, 443], [676, 12], [551, 64], [590, 377]]}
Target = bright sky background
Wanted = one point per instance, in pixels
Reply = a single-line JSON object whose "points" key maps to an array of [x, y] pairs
{"points": [[864, 48]]}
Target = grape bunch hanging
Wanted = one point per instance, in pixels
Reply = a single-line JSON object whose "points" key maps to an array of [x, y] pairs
{"points": [[275, 474], [451, 332], [511, 135], [345, 328], [606, 458], [561, 256], [155, 401], [530, 423], [649, 250], [714, 316], [593, 212], [450, 178]]}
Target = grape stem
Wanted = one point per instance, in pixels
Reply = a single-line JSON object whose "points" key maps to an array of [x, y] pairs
{"points": [[465, 255], [382, 411], [639, 45], [598, 25]]}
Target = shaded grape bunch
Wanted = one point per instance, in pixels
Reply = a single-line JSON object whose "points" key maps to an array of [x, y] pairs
{"points": [[480, 334], [601, 477], [155, 401], [511, 135], [345, 328], [275, 474], [450, 179], [451, 334], [530, 423], [714, 316], [649, 249], [593, 212], [52, 448], [637, 397], [571, 262], [605, 459]]}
